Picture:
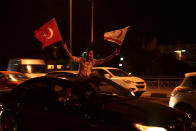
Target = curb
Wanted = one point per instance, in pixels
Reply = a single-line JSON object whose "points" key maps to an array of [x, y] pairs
{"points": [[156, 94], [161, 95]]}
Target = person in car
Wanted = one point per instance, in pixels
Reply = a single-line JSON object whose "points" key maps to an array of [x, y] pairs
{"points": [[86, 63]]}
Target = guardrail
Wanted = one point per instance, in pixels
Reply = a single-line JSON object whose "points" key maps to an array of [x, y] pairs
{"points": [[163, 82]]}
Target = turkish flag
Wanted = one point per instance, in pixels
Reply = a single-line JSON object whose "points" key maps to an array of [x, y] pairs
{"points": [[116, 36], [48, 34]]}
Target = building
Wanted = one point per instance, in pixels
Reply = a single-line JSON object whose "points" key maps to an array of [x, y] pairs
{"points": [[185, 52]]}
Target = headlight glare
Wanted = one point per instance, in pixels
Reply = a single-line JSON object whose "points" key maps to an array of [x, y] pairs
{"points": [[141, 127]]}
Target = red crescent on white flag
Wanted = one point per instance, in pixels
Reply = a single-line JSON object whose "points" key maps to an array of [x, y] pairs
{"points": [[116, 36], [120, 34]]}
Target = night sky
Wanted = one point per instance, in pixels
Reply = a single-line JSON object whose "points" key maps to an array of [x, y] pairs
{"points": [[168, 21]]}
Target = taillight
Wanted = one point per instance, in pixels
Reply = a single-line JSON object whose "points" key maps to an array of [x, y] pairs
{"points": [[177, 90]]}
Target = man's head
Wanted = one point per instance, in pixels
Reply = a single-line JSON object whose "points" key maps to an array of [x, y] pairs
{"points": [[89, 54]]}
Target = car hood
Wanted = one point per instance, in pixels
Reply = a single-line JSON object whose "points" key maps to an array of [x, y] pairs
{"points": [[131, 78], [33, 75], [11, 85], [143, 111]]}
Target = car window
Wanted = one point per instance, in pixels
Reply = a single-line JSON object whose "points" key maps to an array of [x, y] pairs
{"points": [[105, 86], [37, 90], [68, 75], [193, 81], [62, 74], [32, 91], [118, 72], [16, 77], [99, 72], [65, 95], [187, 82], [34, 68], [55, 73], [61, 94]]}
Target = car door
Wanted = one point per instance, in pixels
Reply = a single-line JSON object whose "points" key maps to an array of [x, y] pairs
{"points": [[52, 105], [71, 116], [33, 97]]}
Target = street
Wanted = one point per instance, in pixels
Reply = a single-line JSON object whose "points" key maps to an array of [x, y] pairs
{"points": [[158, 95], [163, 101]]}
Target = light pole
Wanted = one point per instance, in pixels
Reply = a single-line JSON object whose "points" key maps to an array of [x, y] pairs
{"points": [[70, 30], [92, 21]]}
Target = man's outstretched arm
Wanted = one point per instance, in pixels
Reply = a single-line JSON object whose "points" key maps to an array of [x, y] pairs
{"points": [[68, 52], [110, 57], [74, 58]]}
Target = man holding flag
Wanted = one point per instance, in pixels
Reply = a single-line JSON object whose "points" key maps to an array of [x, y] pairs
{"points": [[49, 34], [86, 64]]}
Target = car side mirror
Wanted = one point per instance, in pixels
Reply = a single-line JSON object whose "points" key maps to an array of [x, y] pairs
{"points": [[107, 75]]}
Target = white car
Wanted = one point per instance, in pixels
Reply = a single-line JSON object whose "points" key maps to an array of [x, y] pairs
{"points": [[183, 97], [122, 78], [30, 67]]}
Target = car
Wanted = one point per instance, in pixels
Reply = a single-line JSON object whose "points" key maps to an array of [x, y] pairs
{"points": [[183, 97], [10, 79], [64, 73], [67, 74], [56, 104], [29, 66], [134, 84]]}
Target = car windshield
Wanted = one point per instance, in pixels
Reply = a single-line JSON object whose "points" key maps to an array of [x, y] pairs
{"points": [[62, 74], [108, 87], [193, 80], [34, 68], [118, 72], [17, 77]]}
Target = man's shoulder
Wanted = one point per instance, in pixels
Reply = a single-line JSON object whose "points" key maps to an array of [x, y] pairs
{"points": [[77, 59]]}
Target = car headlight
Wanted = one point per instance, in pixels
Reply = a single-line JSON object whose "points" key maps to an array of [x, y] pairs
{"points": [[128, 81], [141, 127]]}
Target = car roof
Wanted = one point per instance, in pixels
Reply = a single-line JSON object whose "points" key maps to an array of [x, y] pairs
{"points": [[9, 72], [190, 74], [65, 71], [105, 68]]}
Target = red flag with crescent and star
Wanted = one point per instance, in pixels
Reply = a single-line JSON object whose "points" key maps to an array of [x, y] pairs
{"points": [[116, 36], [48, 34]]}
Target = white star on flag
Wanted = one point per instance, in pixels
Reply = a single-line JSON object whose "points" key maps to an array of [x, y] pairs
{"points": [[116, 36]]}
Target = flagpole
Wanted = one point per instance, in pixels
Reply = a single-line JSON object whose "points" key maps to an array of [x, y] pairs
{"points": [[70, 29], [92, 21]]}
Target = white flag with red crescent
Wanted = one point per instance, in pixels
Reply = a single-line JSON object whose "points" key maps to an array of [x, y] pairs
{"points": [[116, 36]]}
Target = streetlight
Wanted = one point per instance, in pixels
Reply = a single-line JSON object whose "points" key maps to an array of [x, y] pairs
{"points": [[121, 58], [179, 52]]}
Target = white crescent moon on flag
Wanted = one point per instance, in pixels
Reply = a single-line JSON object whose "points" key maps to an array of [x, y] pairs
{"points": [[51, 33]]}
